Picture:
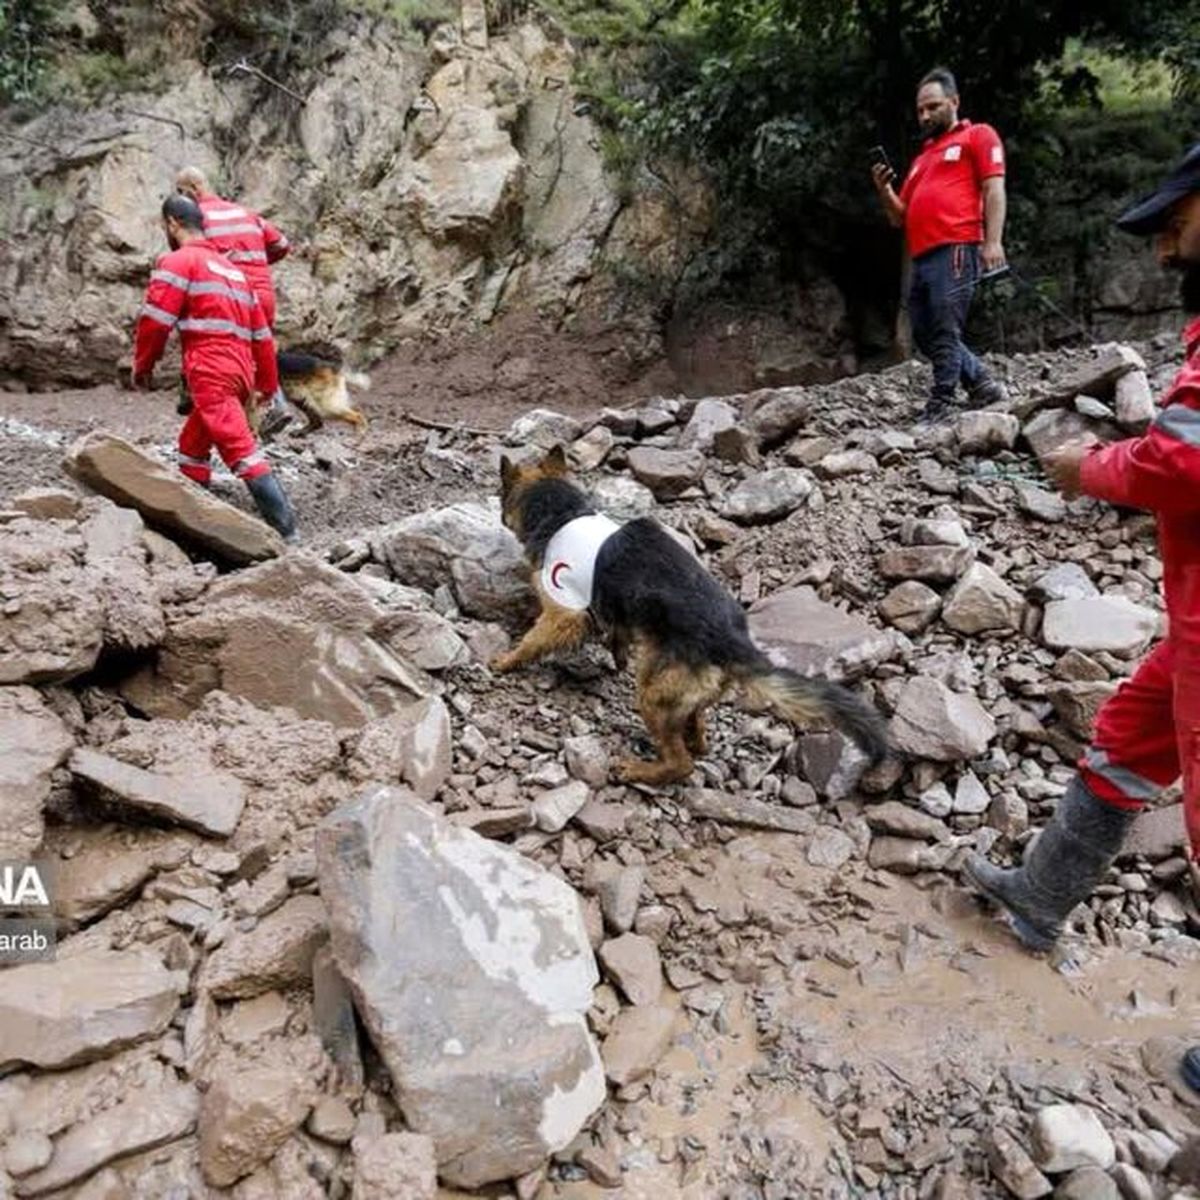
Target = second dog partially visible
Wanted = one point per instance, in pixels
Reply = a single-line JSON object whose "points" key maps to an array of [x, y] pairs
{"points": [[315, 378], [687, 636]]}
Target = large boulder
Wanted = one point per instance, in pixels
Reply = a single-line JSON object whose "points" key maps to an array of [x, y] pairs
{"points": [[34, 742], [113, 467], [294, 633], [467, 546], [209, 801], [140, 1120], [472, 971], [51, 619], [797, 629], [91, 1004]]}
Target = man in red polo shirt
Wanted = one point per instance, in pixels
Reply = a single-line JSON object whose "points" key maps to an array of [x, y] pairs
{"points": [[1148, 734], [951, 207]]}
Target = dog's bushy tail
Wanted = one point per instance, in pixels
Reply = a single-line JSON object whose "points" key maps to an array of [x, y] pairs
{"points": [[357, 379], [801, 700]]}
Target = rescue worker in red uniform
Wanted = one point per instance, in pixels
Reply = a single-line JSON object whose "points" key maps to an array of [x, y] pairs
{"points": [[951, 207], [252, 244], [228, 354], [1148, 734]]}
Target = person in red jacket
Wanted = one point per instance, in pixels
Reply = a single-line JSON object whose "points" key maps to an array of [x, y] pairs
{"points": [[228, 354], [253, 244], [951, 207], [1148, 734]]}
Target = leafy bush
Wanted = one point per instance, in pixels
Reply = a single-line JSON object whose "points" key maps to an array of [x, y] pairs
{"points": [[25, 27]]}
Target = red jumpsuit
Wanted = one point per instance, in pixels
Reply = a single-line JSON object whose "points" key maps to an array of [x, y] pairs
{"points": [[1148, 734], [227, 351], [249, 242]]}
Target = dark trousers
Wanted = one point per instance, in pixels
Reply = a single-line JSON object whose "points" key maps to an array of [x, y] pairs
{"points": [[943, 282]]}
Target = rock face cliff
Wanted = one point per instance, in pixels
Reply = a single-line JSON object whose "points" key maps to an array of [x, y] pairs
{"points": [[434, 182]]}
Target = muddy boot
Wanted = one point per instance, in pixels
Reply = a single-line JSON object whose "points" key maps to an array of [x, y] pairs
{"points": [[937, 409], [276, 419], [1067, 861], [987, 393], [272, 502]]}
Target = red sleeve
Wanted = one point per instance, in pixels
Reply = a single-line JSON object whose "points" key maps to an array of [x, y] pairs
{"points": [[987, 152], [262, 344], [161, 309], [1159, 472], [277, 245]]}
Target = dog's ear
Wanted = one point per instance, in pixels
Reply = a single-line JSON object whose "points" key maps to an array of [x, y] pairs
{"points": [[555, 462], [508, 472]]}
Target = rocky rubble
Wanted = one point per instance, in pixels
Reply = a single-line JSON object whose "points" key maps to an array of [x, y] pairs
{"points": [[342, 913]]}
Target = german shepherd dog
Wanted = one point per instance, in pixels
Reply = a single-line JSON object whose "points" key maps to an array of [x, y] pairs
{"points": [[687, 636], [315, 378]]}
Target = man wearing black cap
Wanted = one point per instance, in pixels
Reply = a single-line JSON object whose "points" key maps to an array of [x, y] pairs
{"points": [[1148, 734]]}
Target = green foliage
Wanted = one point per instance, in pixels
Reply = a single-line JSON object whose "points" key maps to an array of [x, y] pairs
{"points": [[25, 27]]}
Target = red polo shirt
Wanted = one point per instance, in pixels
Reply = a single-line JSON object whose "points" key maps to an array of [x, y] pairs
{"points": [[943, 191]]}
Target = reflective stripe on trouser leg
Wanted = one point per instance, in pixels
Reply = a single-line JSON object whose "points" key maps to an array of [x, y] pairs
{"points": [[195, 447], [1134, 752], [252, 466]]}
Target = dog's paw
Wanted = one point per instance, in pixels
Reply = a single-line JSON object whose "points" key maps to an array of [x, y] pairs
{"points": [[634, 770], [503, 663]]}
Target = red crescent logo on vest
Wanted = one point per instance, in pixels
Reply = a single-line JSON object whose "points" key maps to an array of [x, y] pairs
{"points": [[554, 570]]}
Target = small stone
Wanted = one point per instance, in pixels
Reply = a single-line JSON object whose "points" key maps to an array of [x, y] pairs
{"points": [[896, 818], [1132, 1184], [543, 428], [981, 602], [667, 473], [1009, 815], [632, 962], [589, 451], [847, 462], [1041, 504], [639, 1037], [619, 894], [933, 564], [933, 722], [1067, 1136], [829, 847], [1014, 1168], [768, 496], [26, 1152], [601, 1166], [395, 1166], [553, 810], [799, 793], [983, 432], [970, 796], [911, 607], [587, 759], [1087, 1183], [1067, 581], [936, 801], [623, 499], [1134, 401], [332, 1120], [708, 420]]}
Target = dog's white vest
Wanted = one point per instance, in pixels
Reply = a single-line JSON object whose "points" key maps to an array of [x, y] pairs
{"points": [[570, 560]]}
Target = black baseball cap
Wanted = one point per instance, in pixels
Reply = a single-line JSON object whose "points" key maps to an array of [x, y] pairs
{"points": [[1149, 214]]}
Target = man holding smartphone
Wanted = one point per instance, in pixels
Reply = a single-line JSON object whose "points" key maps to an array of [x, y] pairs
{"points": [[951, 207]]}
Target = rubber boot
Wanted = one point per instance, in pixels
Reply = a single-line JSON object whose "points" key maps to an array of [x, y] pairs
{"points": [[277, 417], [1063, 867], [271, 500], [937, 409]]}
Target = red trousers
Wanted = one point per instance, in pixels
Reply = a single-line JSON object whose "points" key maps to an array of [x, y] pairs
{"points": [[218, 419], [1148, 735]]}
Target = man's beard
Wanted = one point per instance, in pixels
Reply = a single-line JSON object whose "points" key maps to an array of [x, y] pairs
{"points": [[1189, 288], [936, 125]]}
